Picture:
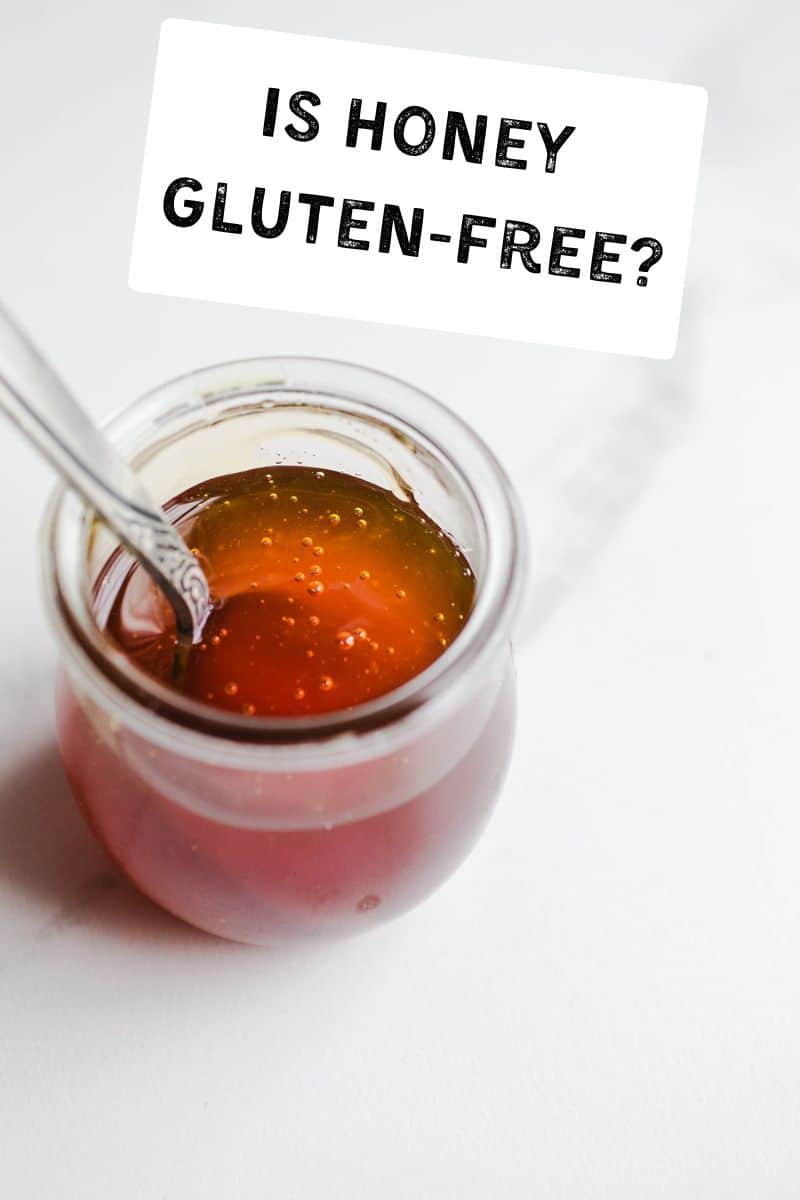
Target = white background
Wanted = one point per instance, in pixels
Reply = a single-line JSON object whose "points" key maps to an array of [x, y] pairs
{"points": [[629, 167], [604, 1001]]}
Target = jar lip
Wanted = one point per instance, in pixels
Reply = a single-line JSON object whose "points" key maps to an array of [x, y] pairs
{"points": [[169, 716]]}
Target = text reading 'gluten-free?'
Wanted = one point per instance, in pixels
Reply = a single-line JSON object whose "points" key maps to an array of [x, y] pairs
{"points": [[421, 189]]}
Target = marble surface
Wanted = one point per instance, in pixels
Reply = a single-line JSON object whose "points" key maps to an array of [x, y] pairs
{"points": [[603, 1001]]}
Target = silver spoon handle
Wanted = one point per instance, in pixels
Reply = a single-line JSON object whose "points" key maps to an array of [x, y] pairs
{"points": [[41, 405]]}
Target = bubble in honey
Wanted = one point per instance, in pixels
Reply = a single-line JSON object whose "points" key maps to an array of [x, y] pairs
{"points": [[215, 641], [346, 641], [361, 523], [299, 577], [249, 710], [400, 593], [438, 617], [299, 693], [325, 683], [359, 512], [318, 551], [223, 633], [231, 689], [288, 621], [315, 588], [313, 621], [315, 570], [293, 499], [363, 575], [306, 541], [367, 903], [334, 518], [319, 474], [273, 495], [266, 541]]}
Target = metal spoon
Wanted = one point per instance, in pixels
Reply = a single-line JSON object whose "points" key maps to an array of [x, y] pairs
{"points": [[40, 404]]}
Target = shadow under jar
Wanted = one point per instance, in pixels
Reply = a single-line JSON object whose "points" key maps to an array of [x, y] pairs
{"points": [[268, 830]]}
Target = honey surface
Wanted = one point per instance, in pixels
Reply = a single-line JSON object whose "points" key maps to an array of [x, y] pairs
{"points": [[328, 591]]}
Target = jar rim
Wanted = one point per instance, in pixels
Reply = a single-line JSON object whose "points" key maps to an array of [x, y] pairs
{"points": [[172, 719]]}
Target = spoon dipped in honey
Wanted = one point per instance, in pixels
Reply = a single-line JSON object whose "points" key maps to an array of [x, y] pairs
{"points": [[44, 409]]}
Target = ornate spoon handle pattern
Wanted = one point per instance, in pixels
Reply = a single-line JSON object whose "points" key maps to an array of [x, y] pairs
{"points": [[40, 404]]}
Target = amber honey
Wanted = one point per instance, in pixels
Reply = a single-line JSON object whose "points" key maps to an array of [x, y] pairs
{"points": [[328, 591], [330, 749]]}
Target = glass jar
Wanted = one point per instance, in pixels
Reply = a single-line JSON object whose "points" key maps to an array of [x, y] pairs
{"points": [[267, 830]]}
